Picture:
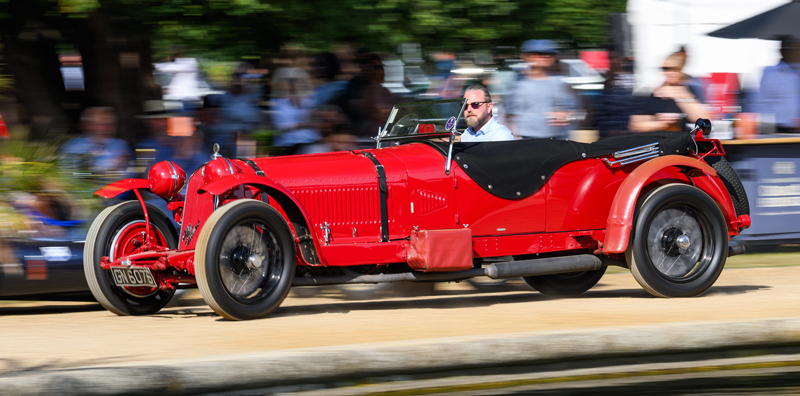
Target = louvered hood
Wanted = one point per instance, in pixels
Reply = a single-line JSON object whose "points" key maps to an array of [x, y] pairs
{"points": [[340, 190]]}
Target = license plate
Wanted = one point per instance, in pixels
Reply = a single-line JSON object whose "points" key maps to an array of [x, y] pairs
{"points": [[135, 276]]}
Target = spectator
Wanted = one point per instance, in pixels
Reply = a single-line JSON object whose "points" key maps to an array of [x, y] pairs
{"points": [[671, 106], [97, 149], [331, 123], [366, 101], [779, 93], [189, 153], [541, 105], [209, 118], [157, 146], [693, 83], [291, 88], [617, 102], [326, 69], [240, 114], [481, 125]]}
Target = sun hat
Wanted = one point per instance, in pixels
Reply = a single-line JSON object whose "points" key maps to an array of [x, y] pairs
{"points": [[539, 46]]}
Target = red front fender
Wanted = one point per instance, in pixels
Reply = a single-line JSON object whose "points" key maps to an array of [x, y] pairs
{"points": [[620, 217], [276, 191], [117, 188], [226, 183]]}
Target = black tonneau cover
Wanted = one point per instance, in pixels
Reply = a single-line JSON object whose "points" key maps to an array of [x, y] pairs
{"points": [[517, 169]]}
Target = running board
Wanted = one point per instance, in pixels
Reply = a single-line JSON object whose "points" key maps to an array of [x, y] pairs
{"points": [[511, 269]]}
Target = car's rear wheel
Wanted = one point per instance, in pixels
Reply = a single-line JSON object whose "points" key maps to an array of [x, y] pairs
{"points": [[119, 231], [567, 284], [365, 291], [306, 291], [678, 243], [245, 260]]}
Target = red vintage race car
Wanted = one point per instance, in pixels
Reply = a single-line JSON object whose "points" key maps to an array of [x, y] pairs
{"points": [[420, 207]]}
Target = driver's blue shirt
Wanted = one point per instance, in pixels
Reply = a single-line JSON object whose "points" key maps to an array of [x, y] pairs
{"points": [[492, 131]]}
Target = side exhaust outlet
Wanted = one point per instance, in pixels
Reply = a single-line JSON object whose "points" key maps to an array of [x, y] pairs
{"points": [[734, 249]]}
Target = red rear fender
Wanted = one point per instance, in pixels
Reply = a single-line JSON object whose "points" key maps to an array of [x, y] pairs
{"points": [[620, 217], [117, 188]]}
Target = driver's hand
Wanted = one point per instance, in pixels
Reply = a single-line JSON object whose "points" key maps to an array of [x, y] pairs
{"points": [[456, 139]]}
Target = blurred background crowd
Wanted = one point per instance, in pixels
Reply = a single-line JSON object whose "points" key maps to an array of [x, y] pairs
{"points": [[93, 91]]}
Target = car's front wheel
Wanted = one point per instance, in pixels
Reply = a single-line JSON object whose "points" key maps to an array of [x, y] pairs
{"points": [[679, 242], [119, 231], [245, 260]]}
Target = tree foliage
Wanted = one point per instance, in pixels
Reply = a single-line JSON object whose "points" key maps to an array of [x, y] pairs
{"points": [[118, 40], [236, 28]]}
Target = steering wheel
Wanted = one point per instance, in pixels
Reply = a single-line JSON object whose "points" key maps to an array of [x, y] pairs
{"points": [[405, 126]]}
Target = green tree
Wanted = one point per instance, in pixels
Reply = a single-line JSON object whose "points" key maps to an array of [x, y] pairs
{"points": [[118, 40]]}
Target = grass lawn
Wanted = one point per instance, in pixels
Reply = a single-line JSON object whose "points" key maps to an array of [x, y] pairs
{"points": [[748, 260]]}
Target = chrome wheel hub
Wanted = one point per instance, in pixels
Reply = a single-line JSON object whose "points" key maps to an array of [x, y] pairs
{"points": [[682, 242], [248, 261], [674, 240], [254, 261]]}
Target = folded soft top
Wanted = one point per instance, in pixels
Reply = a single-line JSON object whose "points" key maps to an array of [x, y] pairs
{"points": [[519, 168]]}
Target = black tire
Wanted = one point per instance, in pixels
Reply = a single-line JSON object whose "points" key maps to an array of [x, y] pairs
{"points": [[567, 284], [664, 262], [230, 260], [373, 291], [365, 291], [732, 183], [106, 237], [486, 284], [306, 291]]}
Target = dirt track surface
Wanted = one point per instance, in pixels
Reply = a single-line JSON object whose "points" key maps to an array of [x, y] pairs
{"points": [[55, 335]]}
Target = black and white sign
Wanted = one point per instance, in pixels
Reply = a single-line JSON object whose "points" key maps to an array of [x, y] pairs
{"points": [[124, 276]]}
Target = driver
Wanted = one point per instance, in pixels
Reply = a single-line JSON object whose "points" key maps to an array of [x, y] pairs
{"points": [[482, 127]]}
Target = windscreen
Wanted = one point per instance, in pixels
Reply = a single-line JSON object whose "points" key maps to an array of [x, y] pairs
{"points": [[423, 118]]}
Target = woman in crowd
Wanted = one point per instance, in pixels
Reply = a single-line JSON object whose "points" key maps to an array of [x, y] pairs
{"points": [[672, 105]]}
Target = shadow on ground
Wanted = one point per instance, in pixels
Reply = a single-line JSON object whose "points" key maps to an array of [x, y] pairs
{"points": [[47, 308], [314, 307]]}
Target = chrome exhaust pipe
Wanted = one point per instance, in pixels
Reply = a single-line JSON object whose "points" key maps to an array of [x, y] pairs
{"points": [[735, 248]]}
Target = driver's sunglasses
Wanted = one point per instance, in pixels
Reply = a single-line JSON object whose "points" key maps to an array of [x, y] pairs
{"points": [[475, 105]]}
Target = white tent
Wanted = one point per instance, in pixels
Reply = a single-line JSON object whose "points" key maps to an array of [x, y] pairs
{"points": [[660, 27]]}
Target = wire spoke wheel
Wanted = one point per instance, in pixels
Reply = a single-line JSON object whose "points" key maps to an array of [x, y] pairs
{"points": [[128, 240], [245, 260], [675, 243], [119, 231], [679, 242], [250, 261]]}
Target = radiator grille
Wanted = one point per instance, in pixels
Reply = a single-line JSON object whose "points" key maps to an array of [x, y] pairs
{"points": [[347, 206]]}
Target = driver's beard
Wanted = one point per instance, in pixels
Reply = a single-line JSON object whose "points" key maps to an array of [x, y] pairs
{"points": [[477, 121]]}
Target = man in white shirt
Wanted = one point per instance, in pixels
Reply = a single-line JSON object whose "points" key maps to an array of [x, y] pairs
{"points": [[779, 93], [482, 127], [541, 105]]}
